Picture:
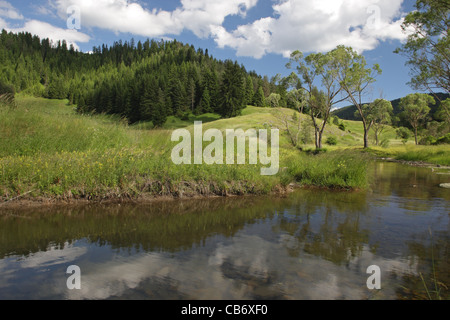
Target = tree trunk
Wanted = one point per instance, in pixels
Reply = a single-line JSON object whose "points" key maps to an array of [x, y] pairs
{"points": [[318, 140], [366, 138], [415, 135]]}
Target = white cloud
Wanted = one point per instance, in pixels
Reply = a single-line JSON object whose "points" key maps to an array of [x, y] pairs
{"points": [[318, 25], [46, 30], [199, 16], [3, 24], [202, 16], [8, 11], [40, 28], [306, 25]]}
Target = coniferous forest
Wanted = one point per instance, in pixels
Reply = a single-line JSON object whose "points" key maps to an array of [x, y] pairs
{"points": [[138, 81]]}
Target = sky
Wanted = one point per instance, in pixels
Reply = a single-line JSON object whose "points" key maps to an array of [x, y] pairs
{"points": [[260, 34]]}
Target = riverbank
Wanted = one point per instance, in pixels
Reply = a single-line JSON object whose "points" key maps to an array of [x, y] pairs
{"points": [[48, 151], [428, 156], [130, 176]]}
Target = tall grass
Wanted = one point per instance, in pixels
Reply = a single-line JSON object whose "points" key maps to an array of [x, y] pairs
{"points": [[339, 169], [430, 154], [46, 149]]}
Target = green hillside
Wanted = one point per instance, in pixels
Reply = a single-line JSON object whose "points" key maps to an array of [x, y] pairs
{"points": [[49, 150], [348, 113]]}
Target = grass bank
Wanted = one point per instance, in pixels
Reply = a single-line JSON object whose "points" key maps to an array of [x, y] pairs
{"points": [[47, 150], [437, 155]]}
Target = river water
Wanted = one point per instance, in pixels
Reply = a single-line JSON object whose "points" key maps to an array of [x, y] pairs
{"points": [[311, 244]]}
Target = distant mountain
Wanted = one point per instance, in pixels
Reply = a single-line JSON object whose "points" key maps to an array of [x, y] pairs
{"points": [[348, 113]]}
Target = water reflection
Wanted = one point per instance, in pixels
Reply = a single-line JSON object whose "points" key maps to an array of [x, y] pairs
{"points": [[310, 245]]}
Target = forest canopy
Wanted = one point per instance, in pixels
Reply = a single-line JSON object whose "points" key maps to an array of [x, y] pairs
{"points": [[143, 81]]}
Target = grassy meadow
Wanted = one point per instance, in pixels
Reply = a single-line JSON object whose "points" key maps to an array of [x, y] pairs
{"points": [[48, 150]]}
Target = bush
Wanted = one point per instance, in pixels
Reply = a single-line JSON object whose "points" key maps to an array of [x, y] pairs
{"points": [[316, 152], [335, 120], [404, 134], [6, 89], [331, 141], [443, 140], [385, 143], [342, 126], [427, 141]]}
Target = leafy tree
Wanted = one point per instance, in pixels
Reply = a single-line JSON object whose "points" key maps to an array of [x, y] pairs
{"points": [[378, 114], [355, 77], [273, 100], [404, 134], [444, 112], [416, 109], [322, 68], [428, 45]]}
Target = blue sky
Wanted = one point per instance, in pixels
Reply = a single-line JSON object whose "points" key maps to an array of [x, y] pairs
{"points": [[260, 34]]}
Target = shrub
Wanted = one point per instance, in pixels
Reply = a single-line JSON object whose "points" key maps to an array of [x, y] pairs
{"points": [[385, 143], [404, 134], [186, 116], [443, 140], [427, 141], [342, 126], [331, 141], [335, 120]]}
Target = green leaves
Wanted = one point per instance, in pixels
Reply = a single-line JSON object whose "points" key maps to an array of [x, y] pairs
{"points": [[428, 45], [416, 109]]}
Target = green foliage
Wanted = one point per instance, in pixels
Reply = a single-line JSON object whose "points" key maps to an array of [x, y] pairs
{"points": [[52, 151], [416, 109], [145, 82], [385, 143], [443, 140], [443, 112], [427, 45], [427, 141], [342, 126], [331, 141], [273, 100], [338, 169], [232, 91], [259, 99], [404, 134]]}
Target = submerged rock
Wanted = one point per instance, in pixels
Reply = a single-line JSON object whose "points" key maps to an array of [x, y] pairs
{"points": [[445, 185]]}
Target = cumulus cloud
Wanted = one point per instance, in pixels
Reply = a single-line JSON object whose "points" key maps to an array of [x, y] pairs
{"points": [[8, 11], [318, 25], [46, 30], [40, 28], [125, 16], [306, 25]]}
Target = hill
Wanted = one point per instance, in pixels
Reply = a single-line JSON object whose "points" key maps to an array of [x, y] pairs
{"points": [[348, 113], [50, 151], [143, 81]]}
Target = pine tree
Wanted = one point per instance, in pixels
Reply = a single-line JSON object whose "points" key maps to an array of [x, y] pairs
{"points": [[159, 115], [232, 90], [259, 100], [249, 91]]}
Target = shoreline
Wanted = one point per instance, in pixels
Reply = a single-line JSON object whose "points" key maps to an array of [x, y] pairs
{"points": [[413, 163], [147, 198], [144, 199], [26, 202]]}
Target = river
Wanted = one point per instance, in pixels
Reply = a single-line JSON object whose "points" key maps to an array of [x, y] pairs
{"points": [[311, 244]]}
